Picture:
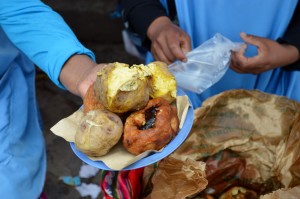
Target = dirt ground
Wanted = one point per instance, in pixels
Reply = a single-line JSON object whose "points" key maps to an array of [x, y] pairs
{"points": [[92, 22]]}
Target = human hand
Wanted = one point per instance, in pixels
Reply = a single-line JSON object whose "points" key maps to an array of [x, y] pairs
{"points": [[270, 55], [168, 41], [88, 79], [78, 73]]}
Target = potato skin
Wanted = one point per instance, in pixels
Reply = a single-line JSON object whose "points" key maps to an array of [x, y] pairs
{"points": [[99, 131], [130, 95]]}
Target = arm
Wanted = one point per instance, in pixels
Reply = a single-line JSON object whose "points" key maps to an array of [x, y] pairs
{"points": [[46, 39], [168, 41]]}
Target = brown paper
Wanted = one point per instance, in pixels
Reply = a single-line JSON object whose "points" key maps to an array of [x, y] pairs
{"points": [[118, 157], [261, 128], [254, 124], [182, 105], [288, 193], [175, 179]]}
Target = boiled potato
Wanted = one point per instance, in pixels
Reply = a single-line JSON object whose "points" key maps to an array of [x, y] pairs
{"points": [[122, 88], [99, 131], [162, 83]]}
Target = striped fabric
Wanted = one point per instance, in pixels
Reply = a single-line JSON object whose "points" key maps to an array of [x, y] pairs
{"points": [[121, 185]]}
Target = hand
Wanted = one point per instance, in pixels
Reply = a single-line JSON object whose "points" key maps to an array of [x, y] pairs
{"points": [[168, 41], [270, 55], [88, 79], [78, 73]]}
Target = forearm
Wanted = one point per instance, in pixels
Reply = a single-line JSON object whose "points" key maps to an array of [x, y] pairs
{"points": [[41, 34], [288, 55]]}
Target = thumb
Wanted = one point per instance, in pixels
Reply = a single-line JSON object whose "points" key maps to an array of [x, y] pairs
{"points": [[251, 39]]}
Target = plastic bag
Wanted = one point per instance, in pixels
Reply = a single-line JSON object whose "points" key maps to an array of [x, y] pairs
{"points": [[205, 65]]}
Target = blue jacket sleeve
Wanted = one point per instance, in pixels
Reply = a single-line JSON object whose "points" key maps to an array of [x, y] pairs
{"points": [[41, 34]]}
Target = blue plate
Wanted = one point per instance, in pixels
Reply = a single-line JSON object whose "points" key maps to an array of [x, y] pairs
{"points": [[154, 157]]}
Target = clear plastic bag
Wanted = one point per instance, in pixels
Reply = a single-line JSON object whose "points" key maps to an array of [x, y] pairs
{"points": [[205, 65]]}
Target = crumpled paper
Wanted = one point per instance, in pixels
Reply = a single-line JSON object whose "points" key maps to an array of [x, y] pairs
{"points": [[174, 179], [261, 128], [287, 193]]}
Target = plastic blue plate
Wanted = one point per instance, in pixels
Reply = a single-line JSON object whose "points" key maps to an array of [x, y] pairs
{"points": [[154, 157]]}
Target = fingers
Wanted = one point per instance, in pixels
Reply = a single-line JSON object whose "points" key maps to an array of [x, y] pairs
{"points": [[242, 64], [234, 62], [159, 54], [170, 43], [255, 64], [185, 46], [186, 43], [171, 49], [177, 47], [252, 39], [238, 59]]}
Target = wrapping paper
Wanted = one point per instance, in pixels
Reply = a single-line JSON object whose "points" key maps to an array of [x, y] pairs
{"points": [[290, 193], [174, 179], [262, 129]]}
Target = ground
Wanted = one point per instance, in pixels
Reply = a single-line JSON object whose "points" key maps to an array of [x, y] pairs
{"points": [[93, 24]]}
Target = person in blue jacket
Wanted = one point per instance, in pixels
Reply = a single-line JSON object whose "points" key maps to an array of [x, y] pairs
{"points": [[270, 30], [31, 33]]}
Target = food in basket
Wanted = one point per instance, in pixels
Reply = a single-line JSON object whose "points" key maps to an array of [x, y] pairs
{"points": [[98, 132], [150, 128]]}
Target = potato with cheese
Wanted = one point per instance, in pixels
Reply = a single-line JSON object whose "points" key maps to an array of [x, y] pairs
{"points": [[121, 88]]}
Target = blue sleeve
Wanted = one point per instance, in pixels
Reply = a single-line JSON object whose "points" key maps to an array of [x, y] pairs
{"points": [[41, 34]]}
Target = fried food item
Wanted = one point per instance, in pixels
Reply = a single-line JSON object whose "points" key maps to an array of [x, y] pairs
{"points": [[150, 128], [239, 193], [99, 131], [90, 102], [162, 82], [121, 88]]}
